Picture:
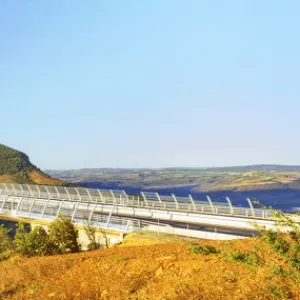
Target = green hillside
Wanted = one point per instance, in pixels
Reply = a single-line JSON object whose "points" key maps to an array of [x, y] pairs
{"points": [[15, 166], [13, 161]]}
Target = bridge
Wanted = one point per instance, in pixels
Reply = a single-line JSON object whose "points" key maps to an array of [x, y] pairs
{"points": [[117, 211]]}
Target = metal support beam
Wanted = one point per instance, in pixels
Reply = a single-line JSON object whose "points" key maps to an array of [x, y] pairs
{"points": [[193, 202], [125, 196], [110, 214], [48, 192], [158, 197], [67, 193], [7, 191], [113, 196], [60, 207], [58, 193], [211, 204], [90, 196], [230, 205], [31, 206], [19, 205], [44, 209], [101, 196], [251, 207], [30, 190], [145, 199], [39, 191], [22, 191], [79, 196], [75, 210], [46, 204], [92, 212], [15, 192], [3, 203], [175, 200]]}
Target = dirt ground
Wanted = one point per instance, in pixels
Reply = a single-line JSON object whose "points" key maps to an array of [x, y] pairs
{"points": [[167, 270]]}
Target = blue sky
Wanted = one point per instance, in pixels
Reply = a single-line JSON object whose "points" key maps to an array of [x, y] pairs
{"points": [[155, 83]]}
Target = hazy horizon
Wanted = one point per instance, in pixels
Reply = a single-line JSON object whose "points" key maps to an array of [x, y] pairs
{"points": [[150, 84], [174, 167]]}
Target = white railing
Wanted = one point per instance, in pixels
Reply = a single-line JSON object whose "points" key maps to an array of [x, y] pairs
{"points": [[63, 196]]}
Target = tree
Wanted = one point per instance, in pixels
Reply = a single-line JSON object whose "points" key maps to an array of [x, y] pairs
{"points": [[39, 242], [63, 236], [21, 239], [5, 240], [90, 231]]}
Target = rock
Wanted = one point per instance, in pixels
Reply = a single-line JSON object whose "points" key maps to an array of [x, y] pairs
{"points": [[165, 258], [159, 271], [51, 295], [104, 295]]}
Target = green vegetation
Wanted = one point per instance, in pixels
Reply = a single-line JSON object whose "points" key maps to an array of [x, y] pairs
{"points": [[250, 258], [94, 242], [15, 166], [62, 238], [14, 162], [6, 244], [204, 249], [285, 240]]}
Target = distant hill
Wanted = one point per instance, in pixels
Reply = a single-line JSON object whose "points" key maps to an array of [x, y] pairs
{"points": [[227, 169], [240, 178], [256, 168], [15, 167]]}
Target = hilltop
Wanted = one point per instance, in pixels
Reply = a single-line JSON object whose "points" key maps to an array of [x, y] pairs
{"points": [[15, 167]]}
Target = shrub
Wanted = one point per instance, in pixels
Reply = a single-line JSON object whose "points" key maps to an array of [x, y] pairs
{"points": [[63, 236], [39, 242], [90, 231], [250, 258], [21, 239], [5, 240], [204, 249], [285, 240]]}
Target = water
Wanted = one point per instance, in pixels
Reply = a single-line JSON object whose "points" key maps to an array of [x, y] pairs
{"points": [[287, 200], [12, 225]]}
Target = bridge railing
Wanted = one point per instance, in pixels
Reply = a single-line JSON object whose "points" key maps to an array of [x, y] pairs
{"points": [[61, 196]]}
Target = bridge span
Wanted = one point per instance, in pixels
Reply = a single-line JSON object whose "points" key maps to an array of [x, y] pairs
{"points": [[115, 210]]}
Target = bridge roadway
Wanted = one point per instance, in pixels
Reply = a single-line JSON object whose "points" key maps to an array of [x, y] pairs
{"points": [[116, 209]]}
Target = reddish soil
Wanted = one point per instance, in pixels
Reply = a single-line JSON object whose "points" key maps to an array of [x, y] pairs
{"points": [[157, 271]]}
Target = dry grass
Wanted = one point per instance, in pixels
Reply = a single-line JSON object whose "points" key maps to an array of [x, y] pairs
{"points": [[7, 179], [158, 271], [40, 178], [35, 176]]}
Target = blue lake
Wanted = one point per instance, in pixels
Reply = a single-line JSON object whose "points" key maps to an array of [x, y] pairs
{"points": [[287, 200]]}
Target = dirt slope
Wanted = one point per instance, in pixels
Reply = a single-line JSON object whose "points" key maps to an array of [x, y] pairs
{"points": [[157, 271]]}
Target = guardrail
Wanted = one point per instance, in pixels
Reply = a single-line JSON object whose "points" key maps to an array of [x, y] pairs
{"points": [[42, 199]]}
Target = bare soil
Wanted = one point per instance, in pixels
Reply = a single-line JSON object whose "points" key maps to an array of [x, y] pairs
{"points": [[166, 270]]}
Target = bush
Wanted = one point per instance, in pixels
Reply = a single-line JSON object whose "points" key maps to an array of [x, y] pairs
{"points": [[277, 270], [250, 258], [63, 236], [273, 238], [21, 239], [204, 249], [5, 240], [285, 240], [90, 231], [39, 242]]}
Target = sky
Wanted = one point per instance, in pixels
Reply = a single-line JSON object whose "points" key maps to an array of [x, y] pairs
{"points": [[160, 83]]}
